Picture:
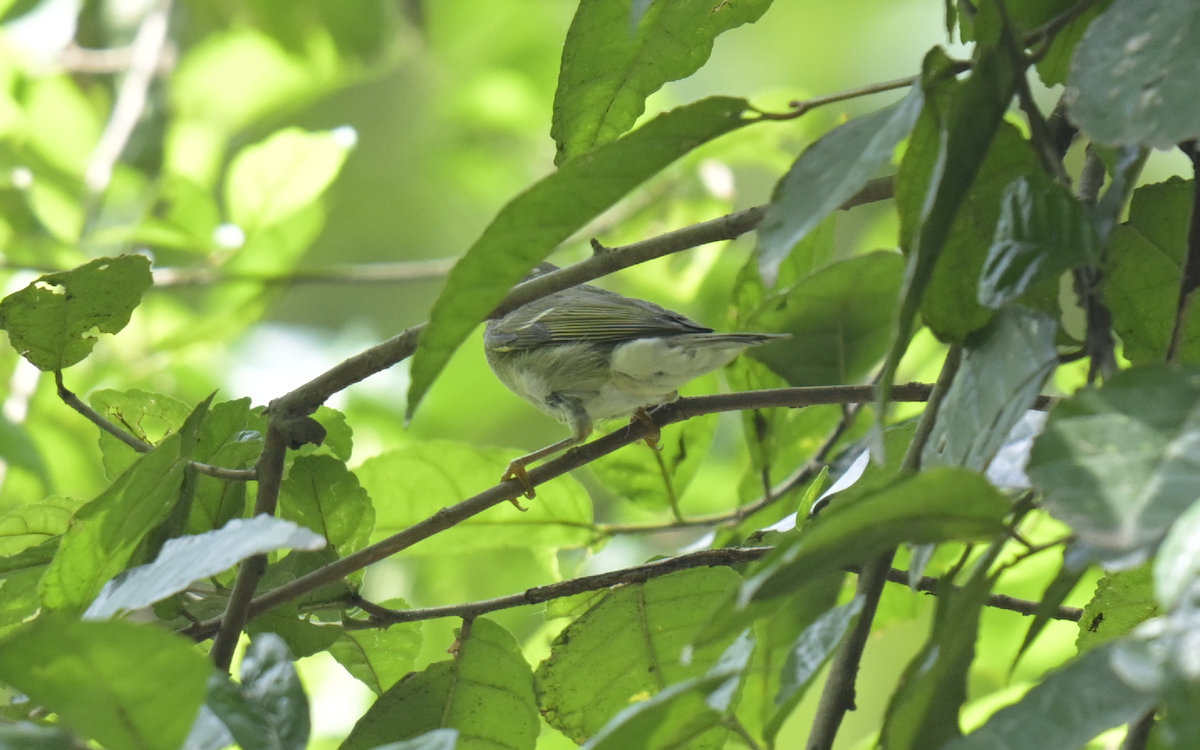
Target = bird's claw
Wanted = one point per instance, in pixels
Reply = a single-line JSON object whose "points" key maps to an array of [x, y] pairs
{"points": [[652, 440], [516, 470]]}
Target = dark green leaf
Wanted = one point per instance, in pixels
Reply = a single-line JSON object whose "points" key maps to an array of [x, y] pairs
{"points": [[923, 712], [806, 657], [1117, 464], [123, 685], [840, 318], [963, 140], [608, 69], [1055, 65], [535, 222], [937, 505], [1069, 707], [629, 645], [1001, 376], [51, 321], [1145, 257], [436, 739], [1043, 232], [106, 533], [485, 692], [686, 714], [1134, 74], [827, 173], [186, 559], [268, 710]]}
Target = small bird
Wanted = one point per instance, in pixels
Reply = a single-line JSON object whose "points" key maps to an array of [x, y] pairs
{"points": [[586, 354]]}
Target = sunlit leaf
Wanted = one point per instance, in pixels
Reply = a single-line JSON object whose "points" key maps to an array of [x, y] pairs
{"points": [[379, 657], [485, 692], [51, 321], [608, 69]]}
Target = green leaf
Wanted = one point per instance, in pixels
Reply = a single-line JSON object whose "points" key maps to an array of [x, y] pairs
{"points": [[840, 318], [149, 417], [953, 155], [106, 533], [1116, 463], [827, 173], [1134, 75], [1042, 233], [608, 69], [1056, 593], [51, 322], [380, 657], [485, 692], [436, 739], [923, 712], [1122, 601], [686, 714], [123, 685], [536, 221], [1145, 258], [30, 525], [628, 647], [1177, 563], [1055, 65], [413, 482], [268, 710], [321, 494], [186, 559], [232, 438], [937, 505], [806, 657], [1001, 375], [1066, 709], [270, 181], [656, 479], [18, 450]]}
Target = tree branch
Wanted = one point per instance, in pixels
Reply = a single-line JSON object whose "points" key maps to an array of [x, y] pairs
{"points": [[93, 416], [306, 398], [725, 557], [838, 694], [636, 430]]}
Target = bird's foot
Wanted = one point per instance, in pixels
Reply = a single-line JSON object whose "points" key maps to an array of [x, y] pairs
{"points": [[516, 470], [643, 416]]}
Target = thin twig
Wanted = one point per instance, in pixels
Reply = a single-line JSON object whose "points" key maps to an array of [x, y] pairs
{"points": [[144, 56], [382, 617], [351, 273], [1190, 273], [838, 694], [509, 490], [306, 398], [269, 469], [73, 401], [799, 108], [1044, 35]]}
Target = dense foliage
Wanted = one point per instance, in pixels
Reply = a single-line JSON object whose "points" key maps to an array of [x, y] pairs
{"points": [[232, 537]]}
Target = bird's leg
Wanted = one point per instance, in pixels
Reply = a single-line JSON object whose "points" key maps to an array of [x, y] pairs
{"points": [[581, 427], [643, 416]]}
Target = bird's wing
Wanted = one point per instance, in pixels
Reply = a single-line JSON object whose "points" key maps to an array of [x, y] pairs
{"points": [[594, 315]]}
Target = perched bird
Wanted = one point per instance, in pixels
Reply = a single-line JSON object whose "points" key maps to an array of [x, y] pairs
{"points": [[586, 354]]}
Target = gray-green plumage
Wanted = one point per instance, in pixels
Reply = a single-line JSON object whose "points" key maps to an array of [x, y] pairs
{"points": [[587, 354]]}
